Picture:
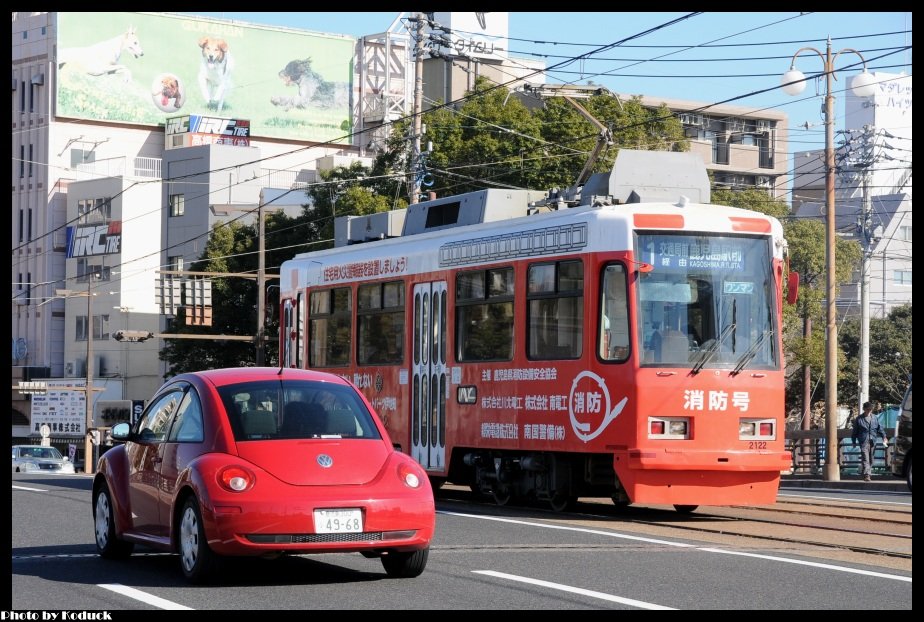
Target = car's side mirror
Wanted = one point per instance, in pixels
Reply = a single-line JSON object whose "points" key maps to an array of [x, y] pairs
{"points": [[121, 432]]}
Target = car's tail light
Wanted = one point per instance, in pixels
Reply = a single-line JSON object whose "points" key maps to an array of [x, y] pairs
{"points": [[408, 475], [236, 479]]}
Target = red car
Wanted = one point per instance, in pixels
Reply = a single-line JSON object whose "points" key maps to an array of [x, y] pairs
{"points": [[261, 461]]}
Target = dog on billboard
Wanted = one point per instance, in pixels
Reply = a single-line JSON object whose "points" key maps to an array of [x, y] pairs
{"points": [[215, 72], [312, 88], [103, 58]]}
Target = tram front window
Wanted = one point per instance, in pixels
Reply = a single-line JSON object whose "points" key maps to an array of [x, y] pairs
{"points": [[708, 302]]}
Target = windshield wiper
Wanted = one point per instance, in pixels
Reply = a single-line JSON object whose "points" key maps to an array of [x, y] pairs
{"points": [[751, 352], [708, 354]]}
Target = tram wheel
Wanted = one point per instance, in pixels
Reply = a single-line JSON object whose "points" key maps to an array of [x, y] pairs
{"points": [[685, 509], [562, 502], [501, 496]]}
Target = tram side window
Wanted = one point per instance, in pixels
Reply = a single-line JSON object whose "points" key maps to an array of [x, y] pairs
{"points": [[555, 310], [380, 323], [614, 315], [484, 315], [330, 328]]}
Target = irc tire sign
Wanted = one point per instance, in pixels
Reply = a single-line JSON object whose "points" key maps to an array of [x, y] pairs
{"points": [[137, 409]]}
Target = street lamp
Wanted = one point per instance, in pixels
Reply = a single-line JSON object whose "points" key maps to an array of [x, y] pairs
{"points": [[793, 83]]}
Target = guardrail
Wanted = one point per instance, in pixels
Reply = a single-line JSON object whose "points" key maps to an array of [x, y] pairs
{"points": [[808, 453]]}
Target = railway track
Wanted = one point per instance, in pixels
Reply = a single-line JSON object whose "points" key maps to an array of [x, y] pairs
{"points": [[876, 534]]}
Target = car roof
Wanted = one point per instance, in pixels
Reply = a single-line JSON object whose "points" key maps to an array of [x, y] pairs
{"points": [[234, 375]]}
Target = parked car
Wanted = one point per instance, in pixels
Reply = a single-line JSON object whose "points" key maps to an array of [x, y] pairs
{"points": [[260, 461], [901, 451], [40, 459]]}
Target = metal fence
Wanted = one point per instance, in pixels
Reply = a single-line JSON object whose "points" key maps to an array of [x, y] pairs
{"points": [[808, 453]]}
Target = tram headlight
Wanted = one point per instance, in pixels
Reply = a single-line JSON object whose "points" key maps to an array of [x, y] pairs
{"points": [[668, 427], [756, 429]]}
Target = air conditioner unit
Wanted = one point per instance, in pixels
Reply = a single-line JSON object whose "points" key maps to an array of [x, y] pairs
{"points": [[691, 119], [763, 126], [78, 368], [763, 181], [735, 125], [69, 369]]}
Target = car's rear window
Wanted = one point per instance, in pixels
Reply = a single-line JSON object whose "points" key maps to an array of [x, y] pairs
{"points": [[296, 409]]}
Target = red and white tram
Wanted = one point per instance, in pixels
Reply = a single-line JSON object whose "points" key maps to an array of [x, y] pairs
{"points": [[630, 350]]}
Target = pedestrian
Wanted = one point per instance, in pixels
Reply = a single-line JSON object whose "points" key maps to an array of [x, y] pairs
{"points": [[866, 432]]}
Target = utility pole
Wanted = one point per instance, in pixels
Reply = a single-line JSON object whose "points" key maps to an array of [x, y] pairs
{"points": [[88, 466], [867, 238], [418, 107], [261, 287]]}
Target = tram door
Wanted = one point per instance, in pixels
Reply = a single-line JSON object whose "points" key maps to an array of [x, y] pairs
{"points": [[429, 382]]}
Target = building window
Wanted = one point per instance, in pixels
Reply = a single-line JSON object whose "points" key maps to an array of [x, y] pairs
{"points": [[22, 97], [43, 30], [22, 223], [31, 154], [902, 277], [101, 327], [175, 263], [80, 334], [99, 272], [22, 160], [32, 97], [28, 288], [177, 205], [904, 233], [25, 34], [94, 210], [29, 228]]}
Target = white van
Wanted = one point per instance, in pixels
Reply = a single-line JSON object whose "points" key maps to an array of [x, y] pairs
{"points": [[901, 456]]}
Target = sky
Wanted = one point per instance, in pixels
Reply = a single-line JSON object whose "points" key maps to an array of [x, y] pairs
{"points": [[707, 57]]}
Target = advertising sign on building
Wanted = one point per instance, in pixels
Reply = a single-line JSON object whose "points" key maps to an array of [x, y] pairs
{"points": [[63, 411], [196, 129], [92, 240], [475, 35], [143, 68]]}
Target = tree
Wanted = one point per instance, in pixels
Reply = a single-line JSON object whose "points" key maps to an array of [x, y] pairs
{"points": [[889, 357]]}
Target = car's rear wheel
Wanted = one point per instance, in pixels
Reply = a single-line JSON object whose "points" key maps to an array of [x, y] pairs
{"points": [[196, 558], [405, 565], [108, 545], [685, 509]]}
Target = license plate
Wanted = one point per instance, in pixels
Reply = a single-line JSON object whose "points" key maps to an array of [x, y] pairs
{"points": [[338, 521]]}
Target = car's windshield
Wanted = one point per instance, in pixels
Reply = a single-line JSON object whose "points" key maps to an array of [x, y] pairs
{"points": [[296, 409], [40, 452]]}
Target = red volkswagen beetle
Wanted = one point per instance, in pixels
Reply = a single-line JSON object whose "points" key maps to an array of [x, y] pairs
{"points": [[255, 461]]}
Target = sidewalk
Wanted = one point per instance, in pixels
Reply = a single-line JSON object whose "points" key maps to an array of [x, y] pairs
{"points": [[886, 483]]}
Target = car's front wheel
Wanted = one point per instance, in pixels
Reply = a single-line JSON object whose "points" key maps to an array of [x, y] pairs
{"points": [[405, 565], [108, 545], [196, 558]]}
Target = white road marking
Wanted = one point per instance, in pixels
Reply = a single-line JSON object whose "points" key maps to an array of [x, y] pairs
{"points": [[612, 534], [574, 590], [15, 487], [851, 499], [598, 532], [144, 597], [800, 562]]}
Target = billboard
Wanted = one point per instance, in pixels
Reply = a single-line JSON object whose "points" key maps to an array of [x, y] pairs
{"points": [[93, 240], [195, 129], [144, 67]]}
